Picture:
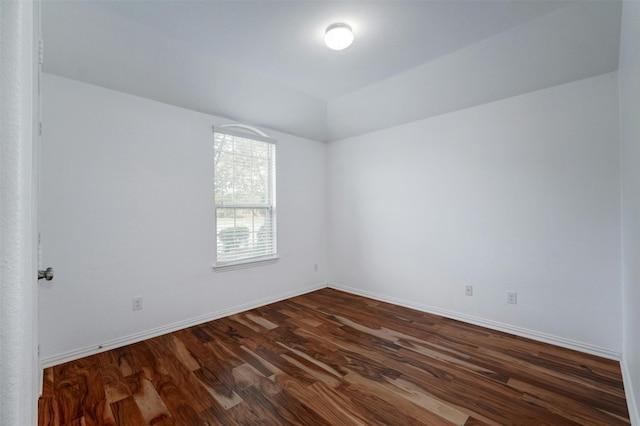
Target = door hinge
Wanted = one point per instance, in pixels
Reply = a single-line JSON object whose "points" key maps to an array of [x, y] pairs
{"points": [[40, 128], [41, 51]]}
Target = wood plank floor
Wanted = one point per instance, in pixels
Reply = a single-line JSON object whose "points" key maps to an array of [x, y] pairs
{"points": [[331, 358]]}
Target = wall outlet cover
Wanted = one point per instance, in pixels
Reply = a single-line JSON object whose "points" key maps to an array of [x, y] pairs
{"points": [[136, 303]]}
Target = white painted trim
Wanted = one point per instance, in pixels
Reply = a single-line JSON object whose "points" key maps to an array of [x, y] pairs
{"points": [[148, 334], [632, 404], [493, 325], [244, 131], [246, 263]]}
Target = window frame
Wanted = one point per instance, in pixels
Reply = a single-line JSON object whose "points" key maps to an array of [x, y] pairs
{"points": [[247, 132]]}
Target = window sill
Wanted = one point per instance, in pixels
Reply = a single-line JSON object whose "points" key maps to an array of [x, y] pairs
{"points": [[242, 264]]}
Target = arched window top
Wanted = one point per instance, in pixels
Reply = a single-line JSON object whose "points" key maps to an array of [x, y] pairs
{"points": [[244, 130]]}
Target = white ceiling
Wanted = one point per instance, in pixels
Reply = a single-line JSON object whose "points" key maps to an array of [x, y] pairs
{"points": [[284, 39], [264, 63]]}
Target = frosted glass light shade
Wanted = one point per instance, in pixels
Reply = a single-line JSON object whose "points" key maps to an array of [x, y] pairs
{"points": [[338, 36]]}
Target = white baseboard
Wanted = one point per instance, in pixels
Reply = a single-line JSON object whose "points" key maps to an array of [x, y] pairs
{"points": [[493, 325], [632, 404], [148, 334], [41, 383]]}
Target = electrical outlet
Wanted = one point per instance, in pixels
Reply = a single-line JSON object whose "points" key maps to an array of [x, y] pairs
{"points": [[468, 290], [512, 297], [315, 267], [136, 303]]}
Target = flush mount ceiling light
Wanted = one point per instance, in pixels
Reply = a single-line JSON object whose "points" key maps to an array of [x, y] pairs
{"points": [[338, 36]]}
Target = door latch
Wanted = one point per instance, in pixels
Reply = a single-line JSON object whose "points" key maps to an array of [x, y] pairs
{"points": [[47, 274]]}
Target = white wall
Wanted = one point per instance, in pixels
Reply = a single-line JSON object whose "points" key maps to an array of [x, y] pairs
{"points": [[127, 210], [630, 154], [18, 329], [520, 194]]}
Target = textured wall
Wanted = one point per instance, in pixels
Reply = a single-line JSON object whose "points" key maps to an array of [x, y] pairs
{"points": [[18, 355]]}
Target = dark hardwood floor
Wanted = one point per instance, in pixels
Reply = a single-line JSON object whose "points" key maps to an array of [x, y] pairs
{"points": [[331, 358]]}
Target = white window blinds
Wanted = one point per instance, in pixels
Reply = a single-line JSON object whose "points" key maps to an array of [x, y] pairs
{"points": [[244, 182]]}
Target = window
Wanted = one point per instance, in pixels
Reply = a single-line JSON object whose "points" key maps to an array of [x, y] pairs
{"points": [[244, 182]]}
